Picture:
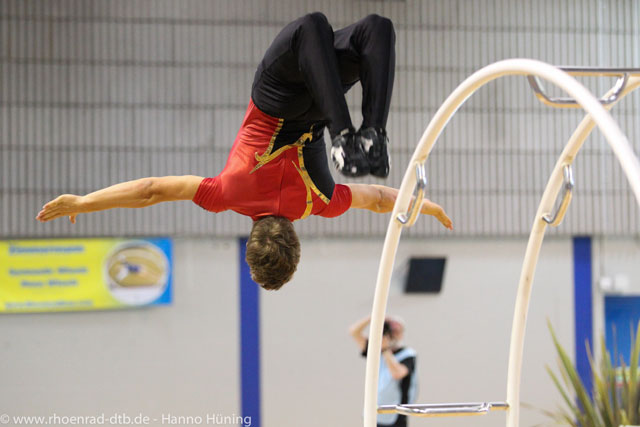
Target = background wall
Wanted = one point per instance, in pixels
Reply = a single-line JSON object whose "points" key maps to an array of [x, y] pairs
{"points": [[180, 359], [183, 359], [461, 335], [93, 92]]}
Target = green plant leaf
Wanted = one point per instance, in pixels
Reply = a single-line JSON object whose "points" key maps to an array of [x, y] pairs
{"points": [[616, 389], [633, 380], [591, 417], [625, 421], [568, 401], [609, 373], [632, 403], [625, 396], [601, 393]]}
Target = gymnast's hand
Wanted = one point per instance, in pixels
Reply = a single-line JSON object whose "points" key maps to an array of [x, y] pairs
{"points": [[433, 209], [64, 205], [380, 199]]}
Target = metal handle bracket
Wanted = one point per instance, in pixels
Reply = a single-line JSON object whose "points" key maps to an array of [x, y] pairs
{"points": [[409, 218], [618, 88], [568, 185]]}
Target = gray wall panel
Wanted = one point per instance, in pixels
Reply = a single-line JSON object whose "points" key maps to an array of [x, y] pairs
{"points": [[96, 92]]}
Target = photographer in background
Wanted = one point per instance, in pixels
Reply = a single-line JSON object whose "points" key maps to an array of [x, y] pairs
{"points": [[397, 380]]}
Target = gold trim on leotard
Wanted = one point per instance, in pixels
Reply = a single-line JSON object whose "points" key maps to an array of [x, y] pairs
{"points": [[267, 156], [308, 182]]}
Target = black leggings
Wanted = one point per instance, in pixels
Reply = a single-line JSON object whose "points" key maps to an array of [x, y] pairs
{"points": [[308, 68]]}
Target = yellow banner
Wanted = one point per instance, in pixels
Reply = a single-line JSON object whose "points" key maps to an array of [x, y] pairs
{"points": [[84, 274]]}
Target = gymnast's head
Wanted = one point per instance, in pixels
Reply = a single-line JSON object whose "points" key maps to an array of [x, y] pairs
{"points": [[273, 251]]}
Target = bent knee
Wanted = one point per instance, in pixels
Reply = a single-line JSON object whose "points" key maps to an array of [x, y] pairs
{"points": [[315, 20], [379, 23]]}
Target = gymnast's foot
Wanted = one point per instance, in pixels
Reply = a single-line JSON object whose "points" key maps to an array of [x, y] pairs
{"points": [[347, 154], [374, 143]]}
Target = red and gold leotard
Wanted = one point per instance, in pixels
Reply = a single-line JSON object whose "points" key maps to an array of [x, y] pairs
{"points": [[275, 168]]}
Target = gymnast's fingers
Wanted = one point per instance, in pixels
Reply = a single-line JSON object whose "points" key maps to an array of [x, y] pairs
{"points": [[445, 220], [42, 215], [48, 213], [63, 205], [430, 208]]}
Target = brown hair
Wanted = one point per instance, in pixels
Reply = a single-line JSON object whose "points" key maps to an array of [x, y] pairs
{"points": [[273, 251]]}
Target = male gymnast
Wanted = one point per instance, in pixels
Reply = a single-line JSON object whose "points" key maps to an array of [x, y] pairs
{"points": [[277, 171]]}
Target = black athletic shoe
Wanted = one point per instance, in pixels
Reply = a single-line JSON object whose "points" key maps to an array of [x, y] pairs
{"points": [[374, 143], [348, 156]]}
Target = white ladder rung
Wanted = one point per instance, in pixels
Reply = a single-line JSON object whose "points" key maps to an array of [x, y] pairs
{"points": [[444, 409]]}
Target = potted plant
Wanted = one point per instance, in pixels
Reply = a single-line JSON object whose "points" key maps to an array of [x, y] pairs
{"points": [[615, 400]]}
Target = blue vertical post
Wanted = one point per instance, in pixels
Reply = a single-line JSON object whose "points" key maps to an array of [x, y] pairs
{"points": [[583, 303], [249, 341]]}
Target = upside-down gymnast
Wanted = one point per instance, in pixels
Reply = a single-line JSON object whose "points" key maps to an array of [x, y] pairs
{"points": [[277, 171]]}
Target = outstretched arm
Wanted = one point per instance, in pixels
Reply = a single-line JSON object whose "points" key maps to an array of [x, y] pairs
{"points": [[380, 199], [131, 194]]}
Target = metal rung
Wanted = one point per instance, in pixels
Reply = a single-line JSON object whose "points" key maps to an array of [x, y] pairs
{"points": [[444, 409], [599, 71], [623, 75]]}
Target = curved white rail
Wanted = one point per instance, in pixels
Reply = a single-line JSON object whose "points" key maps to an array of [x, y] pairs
{"points": [[533, 249], [612, 133]]}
